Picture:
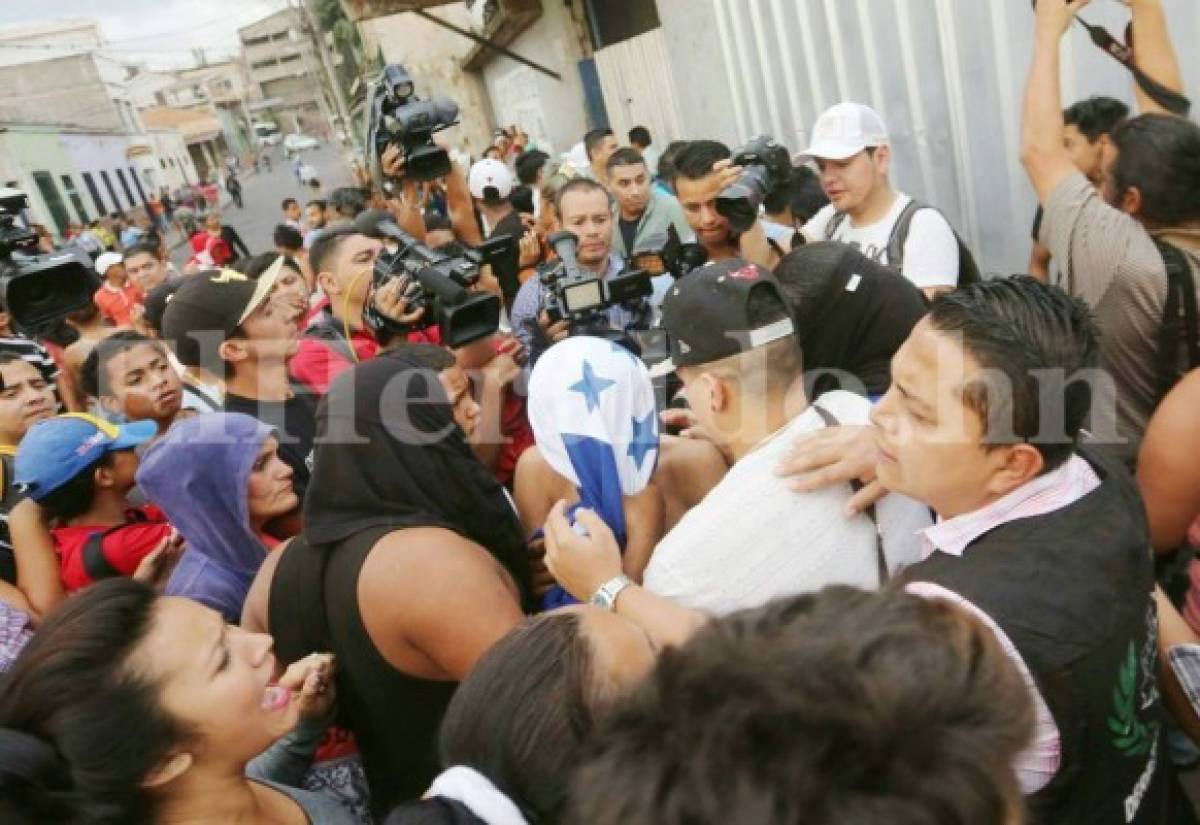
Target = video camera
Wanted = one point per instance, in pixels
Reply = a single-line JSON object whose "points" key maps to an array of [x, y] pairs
{"points": [[399, 117], [573, 294], [438, 283], [765, 165], [38, 289], [674, 257]]}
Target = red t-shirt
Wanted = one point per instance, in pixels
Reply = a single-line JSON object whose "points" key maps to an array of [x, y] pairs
{"points": [[318, 362], [117, 304], [123, 547]]}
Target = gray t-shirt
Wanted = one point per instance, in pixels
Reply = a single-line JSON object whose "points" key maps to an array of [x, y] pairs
{"points": [[1110, 262]]}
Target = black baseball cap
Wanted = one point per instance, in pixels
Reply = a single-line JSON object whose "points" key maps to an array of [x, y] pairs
{"points": [[706, 315], [213, 301]]}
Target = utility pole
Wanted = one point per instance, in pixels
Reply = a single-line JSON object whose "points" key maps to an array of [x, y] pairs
{"points": [[327, 64]]}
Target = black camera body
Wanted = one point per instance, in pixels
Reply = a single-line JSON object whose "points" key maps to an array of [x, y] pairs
{"points": [[400, 118], [438, 284], [674, 257], [765, 165], [39, 289], [582, 298]]}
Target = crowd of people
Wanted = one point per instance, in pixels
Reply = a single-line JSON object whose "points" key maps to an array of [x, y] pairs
{"points": [[823, 527]]}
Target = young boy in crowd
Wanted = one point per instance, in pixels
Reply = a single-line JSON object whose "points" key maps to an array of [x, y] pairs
{"points": [[133, 379], [117, 295], [80, 469]]}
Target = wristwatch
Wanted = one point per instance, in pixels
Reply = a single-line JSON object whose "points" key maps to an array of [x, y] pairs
{"points": [[606, 596]]}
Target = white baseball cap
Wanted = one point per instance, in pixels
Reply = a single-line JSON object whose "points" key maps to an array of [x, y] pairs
{"points": [[845, 130], [490, 173], [106, 261]]}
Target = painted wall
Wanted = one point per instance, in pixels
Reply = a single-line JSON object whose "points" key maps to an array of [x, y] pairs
{"points": [[434, 56], [40, 151], [548, 109]]}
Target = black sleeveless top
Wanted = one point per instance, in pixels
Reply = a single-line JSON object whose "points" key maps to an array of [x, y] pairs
{"points": [[395, 717]]}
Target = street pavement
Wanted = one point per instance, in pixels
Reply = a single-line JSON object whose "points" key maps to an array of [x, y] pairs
{"points": [[262, 193]]}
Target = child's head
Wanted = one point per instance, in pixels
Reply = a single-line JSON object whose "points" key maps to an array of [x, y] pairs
{"points": [[65, 461]]}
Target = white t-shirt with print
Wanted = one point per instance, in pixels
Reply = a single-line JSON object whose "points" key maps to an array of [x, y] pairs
{"points": [[930, 252], [753, 539]]}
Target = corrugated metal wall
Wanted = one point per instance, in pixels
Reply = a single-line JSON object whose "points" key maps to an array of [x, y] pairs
{"points": [[636, 78], [947, 76]]}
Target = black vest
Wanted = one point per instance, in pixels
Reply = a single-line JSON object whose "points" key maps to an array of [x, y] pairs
{"points": [[1072, 589]]}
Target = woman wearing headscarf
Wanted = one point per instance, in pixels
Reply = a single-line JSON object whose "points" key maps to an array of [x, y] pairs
{"points": [[412, 563], [591, 406], [219, 480], [852, 314]]}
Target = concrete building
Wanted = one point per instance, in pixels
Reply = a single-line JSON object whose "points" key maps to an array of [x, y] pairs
{"points": [[201, 131], [72, 174], [215, 91], [43, 41], [85, 90], [285, 73]]}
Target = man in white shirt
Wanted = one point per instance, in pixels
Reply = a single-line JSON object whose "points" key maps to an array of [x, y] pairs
{"points": [[752, 539], [850, 147]]}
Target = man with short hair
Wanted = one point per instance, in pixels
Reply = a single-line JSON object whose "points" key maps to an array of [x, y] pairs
{"points": [[531, 172], [343, 261], [25, 399], [639, 139], [642, 216], [1035, 531], [291, 213], [1131, 249], [1088, 128], [789, 205], [853, 152], [703, 169], [826, 709], [221, 318], [491, 183], [599, 144], [226, 233], [346, 203], [584, 208], [145, 266], [132, 377], [315, 217]]}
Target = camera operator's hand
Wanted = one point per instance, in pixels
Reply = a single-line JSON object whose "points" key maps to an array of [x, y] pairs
{"points": [[1054, 17], [729, 174], [556, 331], [392, 161], [391, 302], [531, 250], [515, 349], [502, 370]]}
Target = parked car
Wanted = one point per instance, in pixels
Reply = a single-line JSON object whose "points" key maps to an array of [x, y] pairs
{"points": [[297, 142]]}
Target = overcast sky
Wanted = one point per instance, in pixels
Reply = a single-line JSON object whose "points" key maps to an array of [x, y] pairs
{"points": [[161, 33]]}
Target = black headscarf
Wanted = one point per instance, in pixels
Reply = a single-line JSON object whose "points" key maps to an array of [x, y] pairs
{"points": [[852, 314], [389, 454]]}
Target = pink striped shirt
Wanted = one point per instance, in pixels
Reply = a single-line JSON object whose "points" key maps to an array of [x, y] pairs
{"points": [[1038, 763]]}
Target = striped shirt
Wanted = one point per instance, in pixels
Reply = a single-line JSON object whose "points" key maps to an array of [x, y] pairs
{"points": [[33, 353], [1038, 763]]}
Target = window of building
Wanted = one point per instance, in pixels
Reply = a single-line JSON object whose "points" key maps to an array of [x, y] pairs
{"points": [[90, 183], [615, 21], [73, 194], [54, 201], [112, 193]]}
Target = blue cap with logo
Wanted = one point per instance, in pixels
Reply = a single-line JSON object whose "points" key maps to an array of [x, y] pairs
{"points": [[58, 449]]}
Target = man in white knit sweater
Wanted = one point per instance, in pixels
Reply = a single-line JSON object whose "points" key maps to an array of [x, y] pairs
{"points": [[752, 538]]}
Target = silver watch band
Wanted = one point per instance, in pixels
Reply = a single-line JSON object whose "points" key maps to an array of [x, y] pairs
{"points": [[605, 596]]}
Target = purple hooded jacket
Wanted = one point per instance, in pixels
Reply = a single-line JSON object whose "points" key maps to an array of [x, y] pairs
{"points": [[199, 475]]}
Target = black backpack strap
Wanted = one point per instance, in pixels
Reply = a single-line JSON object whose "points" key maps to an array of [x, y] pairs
{"points": [[1181, 319], [880, 556], [899, 236], [968, 269], [835, 223], [95, 563]]}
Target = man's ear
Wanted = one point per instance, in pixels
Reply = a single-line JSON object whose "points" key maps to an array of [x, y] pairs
{"points": [[1017, 465], [233, 350], [329, 283], [883, 159], [721, 397], [1131, 201], [168, 770]]}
